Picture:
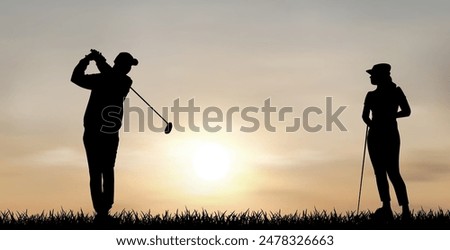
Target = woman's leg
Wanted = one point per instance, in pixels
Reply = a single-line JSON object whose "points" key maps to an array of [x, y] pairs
{"points": [[393, 170], [376, 149]]}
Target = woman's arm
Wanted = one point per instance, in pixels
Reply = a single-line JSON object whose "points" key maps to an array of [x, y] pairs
{"points": [[366, 115], [366, 110], [405, 109]]}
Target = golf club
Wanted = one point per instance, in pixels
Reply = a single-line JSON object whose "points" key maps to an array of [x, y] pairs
{"points": [[362, 169], [169, 124]]}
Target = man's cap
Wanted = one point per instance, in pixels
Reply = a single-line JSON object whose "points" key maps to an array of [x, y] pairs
{"points": [[380, 69], [126, 58]]}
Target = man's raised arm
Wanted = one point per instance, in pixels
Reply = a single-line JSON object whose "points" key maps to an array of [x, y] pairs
{"points": [[86, 81]]}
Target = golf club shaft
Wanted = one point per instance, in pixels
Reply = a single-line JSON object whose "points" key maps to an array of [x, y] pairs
{"points": [[150, 106], [362, 169]]}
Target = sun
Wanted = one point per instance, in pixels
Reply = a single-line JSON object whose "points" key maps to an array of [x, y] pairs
{"points": [[211, 161]]}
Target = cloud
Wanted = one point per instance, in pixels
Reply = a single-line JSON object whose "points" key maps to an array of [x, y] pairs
{"points": [[60, 156], [426, 166], [423, 171]]}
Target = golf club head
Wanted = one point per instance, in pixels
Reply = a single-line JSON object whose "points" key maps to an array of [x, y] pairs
{"points": [[168, 128]]}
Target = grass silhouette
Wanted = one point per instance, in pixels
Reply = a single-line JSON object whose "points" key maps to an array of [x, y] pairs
{"points": [[201, 220]]}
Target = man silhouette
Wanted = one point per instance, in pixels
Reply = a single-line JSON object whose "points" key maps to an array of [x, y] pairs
{"points": [[382, 107], [102, 121]]}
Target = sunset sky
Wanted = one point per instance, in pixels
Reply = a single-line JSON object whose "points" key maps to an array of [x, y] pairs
{"points": [[223, 54]]}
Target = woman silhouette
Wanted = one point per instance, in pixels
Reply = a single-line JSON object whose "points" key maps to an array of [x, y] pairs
{"points": [[381, 110]]}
